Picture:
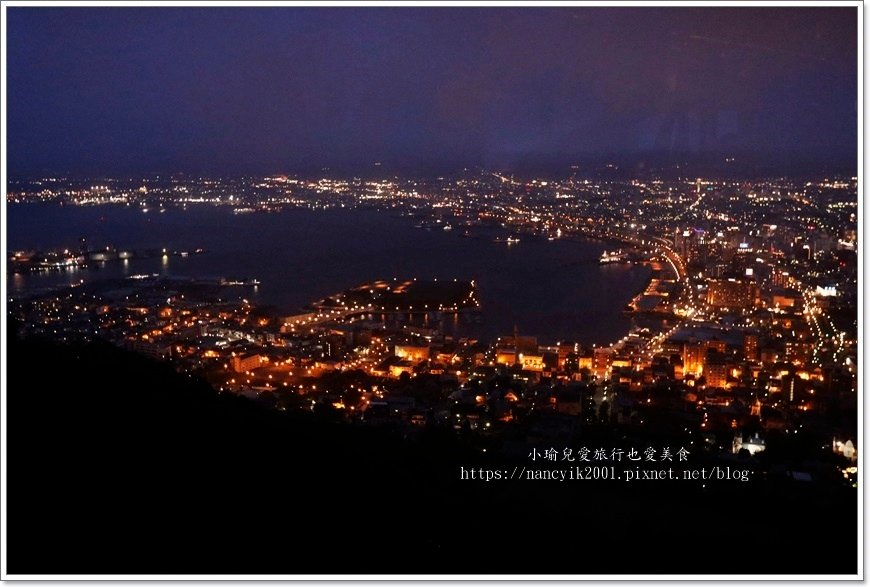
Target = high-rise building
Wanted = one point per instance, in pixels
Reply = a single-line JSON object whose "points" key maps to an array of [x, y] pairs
{"points": [[750, 346], [693, 357], [731, 293], [716, 369], [601, 363], [690, 245]]}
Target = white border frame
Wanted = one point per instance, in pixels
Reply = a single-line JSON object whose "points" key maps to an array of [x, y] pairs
{"points": [[435, 3]]}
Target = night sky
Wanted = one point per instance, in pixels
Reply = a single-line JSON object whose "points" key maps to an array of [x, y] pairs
{"points": [[250, 90]]}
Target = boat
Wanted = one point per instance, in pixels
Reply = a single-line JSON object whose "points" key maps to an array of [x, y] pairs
{"points": [[509, 240], [238, 281], [613, 257]]}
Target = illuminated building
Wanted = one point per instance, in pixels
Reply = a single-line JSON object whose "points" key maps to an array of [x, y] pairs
{"points": [[716, 369], [750, 346], [785, 298], [798, 352], [730, 293], [847, 449], [566, 350], [242, 363], [620, 362], [412, 352], [397, 369], [532, 362], [693, 358], [510, 349], [780, 278], [690, 245], [770, 355], [754, 444], [716, 344], [601, 363]]}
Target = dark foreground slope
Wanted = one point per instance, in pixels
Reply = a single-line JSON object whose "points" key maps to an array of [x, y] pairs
{"points": [[120, 465]]}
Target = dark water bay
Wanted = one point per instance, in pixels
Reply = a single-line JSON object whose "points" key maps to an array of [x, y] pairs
{"points": [[553, 289]]}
